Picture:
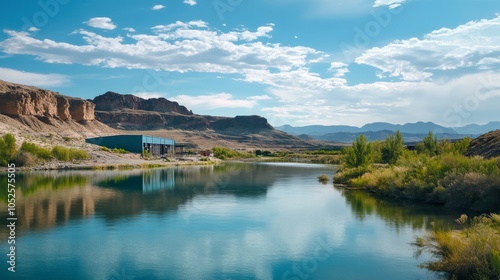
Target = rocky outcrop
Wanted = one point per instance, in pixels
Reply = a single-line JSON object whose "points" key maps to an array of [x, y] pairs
{"points": [[486, 145], [241, 124], [132, 112], [20, 101], [111, 101]]}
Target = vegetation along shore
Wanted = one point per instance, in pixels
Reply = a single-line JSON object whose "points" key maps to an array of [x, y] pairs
{"points": [[436, 172]]}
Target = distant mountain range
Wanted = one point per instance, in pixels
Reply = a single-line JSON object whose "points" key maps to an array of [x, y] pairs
{"points": [[380, 130]]}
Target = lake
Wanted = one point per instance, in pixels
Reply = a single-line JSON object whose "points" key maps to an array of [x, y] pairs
{"points": [[228, 221]]}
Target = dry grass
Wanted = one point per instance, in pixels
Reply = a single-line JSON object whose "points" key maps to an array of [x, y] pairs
{"points": [[471, 253]]}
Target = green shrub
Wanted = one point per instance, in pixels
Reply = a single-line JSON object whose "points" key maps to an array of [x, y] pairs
{"points": [[39, 152], [69, 154], [7, 148], [61, 153], [119, 151], [225, 153]]}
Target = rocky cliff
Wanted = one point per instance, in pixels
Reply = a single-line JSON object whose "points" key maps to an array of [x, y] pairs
{"points": [[20, 101], [112, 101], [132, 112]]}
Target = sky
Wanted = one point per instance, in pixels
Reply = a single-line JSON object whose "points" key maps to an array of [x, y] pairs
{"points": [[297, 62]]}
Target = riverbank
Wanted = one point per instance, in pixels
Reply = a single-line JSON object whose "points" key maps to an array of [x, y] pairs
{"points": [[436, 173], [109, 161]]}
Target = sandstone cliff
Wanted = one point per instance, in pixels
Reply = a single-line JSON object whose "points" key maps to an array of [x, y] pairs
{"points": [[20, 100]]}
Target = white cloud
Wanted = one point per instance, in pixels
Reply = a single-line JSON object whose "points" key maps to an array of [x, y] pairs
{"points": [[179, 25], [439, 51], [215, 101], [260, 97], [33, 29], [184, 47], [33, 79], [390, 3], [148, 95], [101, 22], [157, 7], [129, 29], [190, 2]]}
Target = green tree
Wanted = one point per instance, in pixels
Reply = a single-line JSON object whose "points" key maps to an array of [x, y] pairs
{"points": [[360, 154], [429, 146], [7, 148], [392, 148]]}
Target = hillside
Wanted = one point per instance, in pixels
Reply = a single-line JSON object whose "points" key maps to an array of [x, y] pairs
{"points": [[486, 145]]}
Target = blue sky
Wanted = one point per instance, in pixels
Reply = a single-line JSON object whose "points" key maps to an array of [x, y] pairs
{"points": [[294, 62]]}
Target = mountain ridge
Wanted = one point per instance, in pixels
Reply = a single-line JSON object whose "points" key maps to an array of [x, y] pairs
{"points": [[413, 131]]}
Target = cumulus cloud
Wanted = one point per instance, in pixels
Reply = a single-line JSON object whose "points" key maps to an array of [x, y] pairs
{"points": [[184, 47], [439, 51], [101, 22], [34, 79], [157, 7], [190, 2]]}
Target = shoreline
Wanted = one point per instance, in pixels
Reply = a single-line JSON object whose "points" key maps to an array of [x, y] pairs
{"points": [[121, 164]]}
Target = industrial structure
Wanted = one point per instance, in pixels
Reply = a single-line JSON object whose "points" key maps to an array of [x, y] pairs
{"points": [[157, 146]]}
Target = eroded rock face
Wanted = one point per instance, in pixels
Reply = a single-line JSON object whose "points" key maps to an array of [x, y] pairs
{"points": [[132, 112], [19, 100], [111, 101]]}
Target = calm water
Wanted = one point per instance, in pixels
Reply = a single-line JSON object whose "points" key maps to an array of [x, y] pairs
{"points": [[232, 221]]}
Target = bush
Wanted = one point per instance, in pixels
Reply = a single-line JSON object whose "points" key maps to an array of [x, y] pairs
{"points": [[323, 178], [146, 154], [23, 158], [225, 153], [69, 154], [39, 152]]}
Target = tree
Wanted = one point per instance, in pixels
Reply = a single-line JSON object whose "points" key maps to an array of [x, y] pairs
{"points": [[360, 154], [429, 145], [392, 148], [7, 148]]}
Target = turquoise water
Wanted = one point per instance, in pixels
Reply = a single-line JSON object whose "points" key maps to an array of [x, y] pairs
{"points": [[231, 221]]}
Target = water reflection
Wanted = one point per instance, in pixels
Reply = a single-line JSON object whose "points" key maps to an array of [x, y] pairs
{"points": [[46, 199], [399, 213]]}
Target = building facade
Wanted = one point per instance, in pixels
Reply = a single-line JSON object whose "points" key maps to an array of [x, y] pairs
{"points": [[157, 146]]}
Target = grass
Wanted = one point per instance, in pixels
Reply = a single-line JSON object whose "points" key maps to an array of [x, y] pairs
{"points": [[472, 253]]}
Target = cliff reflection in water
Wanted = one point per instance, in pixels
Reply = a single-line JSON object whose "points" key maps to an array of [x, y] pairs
{"points": [[48, 199]]}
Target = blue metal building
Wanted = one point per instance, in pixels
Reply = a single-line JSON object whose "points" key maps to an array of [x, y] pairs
{"points": [[157, 146]]}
